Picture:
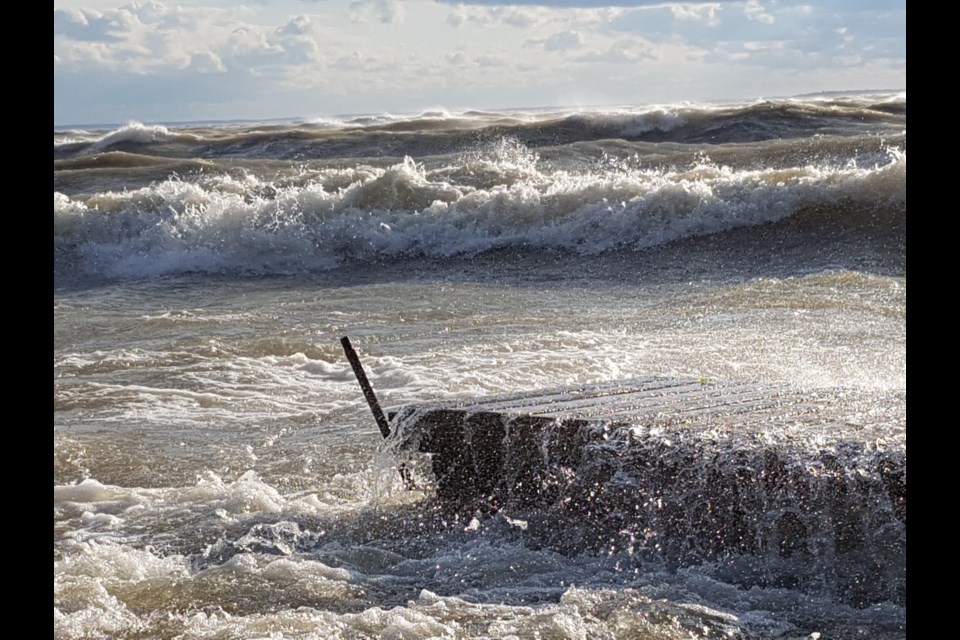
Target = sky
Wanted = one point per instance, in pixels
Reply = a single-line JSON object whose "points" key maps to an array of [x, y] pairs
{"points": [[116, 62]]}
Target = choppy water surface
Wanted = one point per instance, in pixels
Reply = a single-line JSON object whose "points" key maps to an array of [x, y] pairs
{"points": [[216, 472]]}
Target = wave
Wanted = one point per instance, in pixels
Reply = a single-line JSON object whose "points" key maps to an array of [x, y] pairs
{"points": [[504, 197], [133, 132], [442, 132]]}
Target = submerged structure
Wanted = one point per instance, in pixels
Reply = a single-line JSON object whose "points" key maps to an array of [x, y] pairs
{"points": [[796, 488]]}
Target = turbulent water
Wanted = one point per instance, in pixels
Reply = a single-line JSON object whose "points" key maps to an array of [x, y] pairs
{"points": [[216, 471]]}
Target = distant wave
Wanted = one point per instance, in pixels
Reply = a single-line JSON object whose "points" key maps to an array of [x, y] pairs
{"points": [[441, 132]]}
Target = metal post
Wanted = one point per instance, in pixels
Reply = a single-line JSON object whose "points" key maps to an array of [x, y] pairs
{"points": [[365, 385]]}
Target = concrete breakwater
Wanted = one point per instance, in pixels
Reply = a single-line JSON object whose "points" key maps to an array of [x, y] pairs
{"points": [[785, 487]]}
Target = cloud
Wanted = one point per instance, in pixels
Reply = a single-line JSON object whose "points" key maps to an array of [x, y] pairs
{"points": [[457, 58], [206, 62], [149, 38], [564, 41], [388, 11], [461, 60], [296, 27], [622, 51], [754, 11], [88, 26], [531, 18], [576, 4], [706, 12], [356, 61], [520, 17], [192, 61], [138, 38], [491, 60]]}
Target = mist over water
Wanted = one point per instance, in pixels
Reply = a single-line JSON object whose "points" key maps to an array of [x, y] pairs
{"points": [[217, 473]]}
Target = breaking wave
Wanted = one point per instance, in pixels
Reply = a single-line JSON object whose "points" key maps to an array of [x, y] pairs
{"points": [[500, 198]]}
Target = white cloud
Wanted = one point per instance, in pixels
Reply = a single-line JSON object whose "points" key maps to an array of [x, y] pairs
{"points": [[457, 58], [623, 51], [564, 41], [522, 17], [206, 62], [696, 12], [388, 11], [519, 17], [86, 25], [491, 60], [356, 61], [575, 4], [848, 61], [296, 27], [754, 11], [532, 17], [251, 44], [138, 38]]}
